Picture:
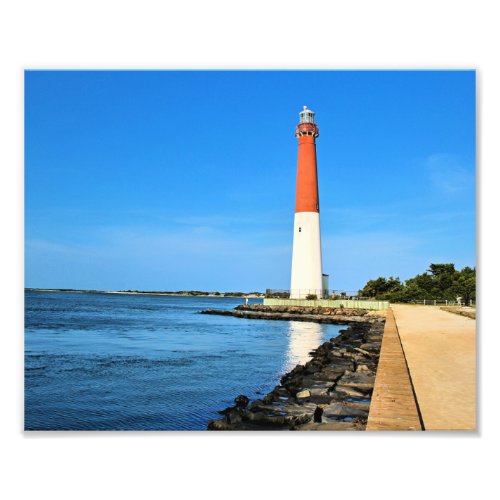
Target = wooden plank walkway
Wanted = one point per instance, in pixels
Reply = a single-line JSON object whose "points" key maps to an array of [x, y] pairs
{"points": [[393, 406]]}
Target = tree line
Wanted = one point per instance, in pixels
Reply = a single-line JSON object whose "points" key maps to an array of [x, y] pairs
{"points": [[440, 282]]}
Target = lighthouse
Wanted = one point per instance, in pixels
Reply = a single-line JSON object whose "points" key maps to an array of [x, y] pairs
{"points": [[307, 276]]}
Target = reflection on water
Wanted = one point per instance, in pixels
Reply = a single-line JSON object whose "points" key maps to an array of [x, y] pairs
{"points": [[302, 339]]}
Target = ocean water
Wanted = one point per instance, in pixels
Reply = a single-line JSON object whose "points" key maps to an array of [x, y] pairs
{"points": [[142, 362]]}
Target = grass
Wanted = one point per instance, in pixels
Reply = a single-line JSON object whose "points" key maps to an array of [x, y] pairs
{"points": [[469, 313]]}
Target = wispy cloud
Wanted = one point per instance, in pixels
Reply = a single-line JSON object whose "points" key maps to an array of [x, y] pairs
{"points": [[214, 220], [56, 249], [449, 174], [243, 219], [437, 217]]}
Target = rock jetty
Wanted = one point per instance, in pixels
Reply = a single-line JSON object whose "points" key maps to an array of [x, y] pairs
{"points": [[338, 316], [332, 391]]}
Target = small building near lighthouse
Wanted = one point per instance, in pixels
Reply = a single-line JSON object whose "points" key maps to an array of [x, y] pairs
{"points": [[326, 285]]}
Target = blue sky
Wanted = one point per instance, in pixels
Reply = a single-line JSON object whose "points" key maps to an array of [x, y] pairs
{"points": [[186, 180]]}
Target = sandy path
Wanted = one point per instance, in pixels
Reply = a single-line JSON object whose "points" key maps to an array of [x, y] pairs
{"points": [[440, 349]]}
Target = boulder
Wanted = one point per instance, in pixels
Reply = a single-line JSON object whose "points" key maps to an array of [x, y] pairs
{"points": [[350, 391], [329, 374], [241, 401], [265, 418], [321, 399], [370, 347], [357, 380], [233, 416], [303, 394], [321, 389], [313, 366], [257, 404], [363, 352], [318, 413], [363, 368], [218, 425], [336, 410]]}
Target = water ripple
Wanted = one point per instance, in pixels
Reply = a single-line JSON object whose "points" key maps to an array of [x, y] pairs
{"points": [[127, 362]]}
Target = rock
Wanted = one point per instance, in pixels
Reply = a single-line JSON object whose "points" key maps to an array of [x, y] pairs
{"points": [[362, 351], [303, 394], [323, 399], [362, 359], [258, 403], [268, 398], [350, 391], [370, 347], [266, 418], [335, 354], [233, 416], [281, 391], [270, 417], [267, 408], [241, 401], [298, 419], [218, 425], [336, 410], [318, 413], [363, 368], [362, 381], [329, 374], [320, 389], [374, 338], [313, 366], [298, 370]]}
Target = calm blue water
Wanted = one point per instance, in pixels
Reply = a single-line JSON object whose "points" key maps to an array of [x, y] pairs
{"points": [[105, 362]]}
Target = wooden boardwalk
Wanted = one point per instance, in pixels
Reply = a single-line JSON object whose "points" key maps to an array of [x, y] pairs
{"points": [[393, 406]]}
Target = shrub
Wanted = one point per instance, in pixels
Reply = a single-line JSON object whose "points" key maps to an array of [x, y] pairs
{"points": [[312, 296]]}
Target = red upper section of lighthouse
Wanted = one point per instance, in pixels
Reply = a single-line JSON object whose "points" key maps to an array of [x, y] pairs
{"points": [[307, 199]]}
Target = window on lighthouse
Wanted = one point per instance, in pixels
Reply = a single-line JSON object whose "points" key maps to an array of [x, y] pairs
{"points": [[306, 118]]}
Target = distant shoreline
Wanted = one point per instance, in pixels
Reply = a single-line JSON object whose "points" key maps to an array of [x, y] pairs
{"points": [[192, 293]]}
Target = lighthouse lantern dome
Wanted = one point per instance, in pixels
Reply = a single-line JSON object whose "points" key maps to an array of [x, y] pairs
{"points": [[306, 115], [307, 125]]}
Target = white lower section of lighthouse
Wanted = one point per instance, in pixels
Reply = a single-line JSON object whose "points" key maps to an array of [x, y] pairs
{"points": [[307, 278]]}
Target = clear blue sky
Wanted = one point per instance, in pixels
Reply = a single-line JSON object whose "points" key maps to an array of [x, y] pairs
{"points": [[186, 180]]}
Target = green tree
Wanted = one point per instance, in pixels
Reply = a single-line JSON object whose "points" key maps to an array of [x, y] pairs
{"points": [[381, 288], [465, 284], [439, 282]]}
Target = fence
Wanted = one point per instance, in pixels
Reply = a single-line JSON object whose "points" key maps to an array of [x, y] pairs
{"points": [[351, 295], [311, 294], [376, 305], [432, 302]]}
